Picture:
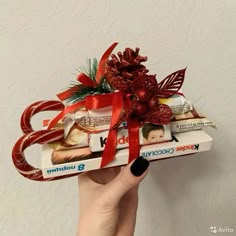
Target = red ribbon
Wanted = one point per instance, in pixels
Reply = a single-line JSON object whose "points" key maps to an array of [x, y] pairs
{"points": [[102, 63], [133, 131], [134, 147], [110, 147], [100, 100], [85, 80]]}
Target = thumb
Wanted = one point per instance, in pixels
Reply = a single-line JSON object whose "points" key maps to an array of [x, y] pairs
{"points": [[130, 176]]}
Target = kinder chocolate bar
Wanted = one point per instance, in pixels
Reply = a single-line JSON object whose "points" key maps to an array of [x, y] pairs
{"points": [[77, 137], [149, 133], [56, 164], [189, 121], [76, 154]]}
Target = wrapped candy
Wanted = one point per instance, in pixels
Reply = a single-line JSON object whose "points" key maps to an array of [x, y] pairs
{"points": [[188, 121]]}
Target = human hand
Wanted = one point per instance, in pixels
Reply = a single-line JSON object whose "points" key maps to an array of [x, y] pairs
{"points": [[108, 200]]}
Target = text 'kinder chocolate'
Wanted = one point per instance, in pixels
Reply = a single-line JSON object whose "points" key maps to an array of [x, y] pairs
{"points": [[120, 141], [188, 147], [148, 134]]}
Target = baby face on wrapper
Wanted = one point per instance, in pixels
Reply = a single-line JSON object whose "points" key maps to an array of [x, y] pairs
{"points": [[153, 133]]}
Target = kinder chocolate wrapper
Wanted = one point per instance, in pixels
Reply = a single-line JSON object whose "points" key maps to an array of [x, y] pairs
{"points": [[80, 160], [148, 134], [101, 118], [75, 136], [67, 156], [91, 120], [189, 121], [78, 125], [177, 103]]}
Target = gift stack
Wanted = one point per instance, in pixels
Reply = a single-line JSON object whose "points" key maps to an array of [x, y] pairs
{"points": [[117, 111], [124, 107]]}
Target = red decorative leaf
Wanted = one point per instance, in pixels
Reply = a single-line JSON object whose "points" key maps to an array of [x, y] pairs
{"points": [[171, 84], [162, 115]]}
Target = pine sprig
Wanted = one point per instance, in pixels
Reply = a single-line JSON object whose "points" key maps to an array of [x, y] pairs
{"points": [[82, 91], [91, 68]]}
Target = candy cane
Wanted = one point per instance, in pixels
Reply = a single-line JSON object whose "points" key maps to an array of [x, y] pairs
{"points": [[35, 108], [40, 137]]}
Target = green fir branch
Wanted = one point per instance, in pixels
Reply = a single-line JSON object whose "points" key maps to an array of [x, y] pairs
{"points": [[83, 91]]}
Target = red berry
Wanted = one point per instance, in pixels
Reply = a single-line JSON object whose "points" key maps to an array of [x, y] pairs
{"points": [[143, 95], [140, 108], [153, 102]]}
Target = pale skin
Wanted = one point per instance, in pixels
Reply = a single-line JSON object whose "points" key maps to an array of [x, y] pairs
{"points": [[108, 201], [154, 136]]}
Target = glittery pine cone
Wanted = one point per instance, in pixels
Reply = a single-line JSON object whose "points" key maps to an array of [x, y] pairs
{"points": [[122, 70]]}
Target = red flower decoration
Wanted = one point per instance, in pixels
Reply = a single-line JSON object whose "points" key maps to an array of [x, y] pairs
{"points": [[145, 107], [144, 87], [144, 93]]}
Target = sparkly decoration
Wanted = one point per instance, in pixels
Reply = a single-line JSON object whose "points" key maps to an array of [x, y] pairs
{"points": [[121, 70], [126, 73]]}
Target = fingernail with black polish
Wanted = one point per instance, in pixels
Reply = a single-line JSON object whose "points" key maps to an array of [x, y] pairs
{"points": [[139, 166]]}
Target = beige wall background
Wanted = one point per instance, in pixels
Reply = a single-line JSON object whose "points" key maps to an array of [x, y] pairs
{"points": [[42, 43]]}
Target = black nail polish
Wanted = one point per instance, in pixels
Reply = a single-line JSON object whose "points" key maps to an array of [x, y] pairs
{"points": [[139, 166]]}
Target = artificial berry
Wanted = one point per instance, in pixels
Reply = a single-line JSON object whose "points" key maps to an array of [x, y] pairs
{"points": [[143, 94], [140, 108], [153, 102]]}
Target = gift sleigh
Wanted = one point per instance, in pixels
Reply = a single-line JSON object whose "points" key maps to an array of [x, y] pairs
{"points": [[123, 86]]}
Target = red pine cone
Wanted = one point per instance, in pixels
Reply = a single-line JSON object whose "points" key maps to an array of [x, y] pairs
{"points": [[122, 70]]}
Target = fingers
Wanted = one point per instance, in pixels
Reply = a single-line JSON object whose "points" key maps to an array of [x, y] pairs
{"points": [[104, 176], [93, 181], [98, 177], [129, 177]]}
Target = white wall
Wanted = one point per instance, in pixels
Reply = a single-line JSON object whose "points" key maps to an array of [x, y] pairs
{"points": [[41, 45]]}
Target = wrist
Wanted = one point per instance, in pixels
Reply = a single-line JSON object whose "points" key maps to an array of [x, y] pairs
{"points": [[94, 224]]}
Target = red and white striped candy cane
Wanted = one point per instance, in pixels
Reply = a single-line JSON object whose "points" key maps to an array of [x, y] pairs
{"points": [[18, 157], [35, 108]]}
